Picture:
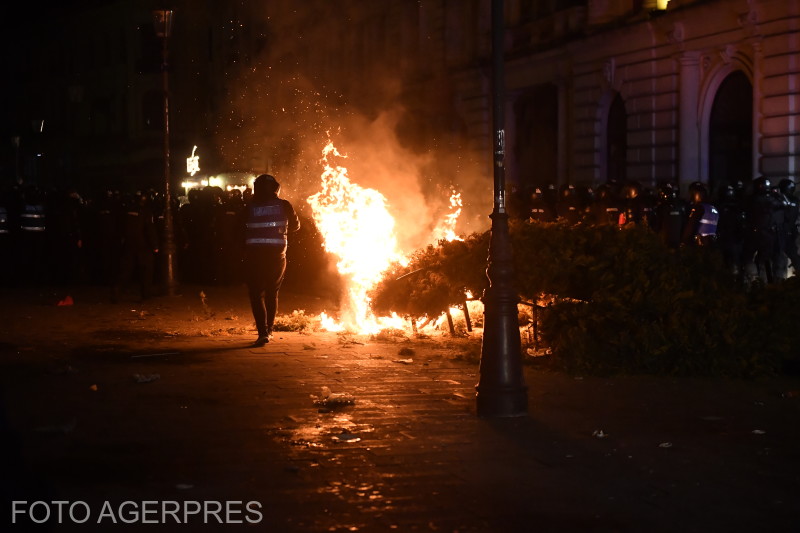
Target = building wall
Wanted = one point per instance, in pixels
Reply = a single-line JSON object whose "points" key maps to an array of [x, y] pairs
{"points": [[667, 66]]}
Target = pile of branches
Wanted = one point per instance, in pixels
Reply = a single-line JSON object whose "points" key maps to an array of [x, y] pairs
{"points": [[435, 279]]}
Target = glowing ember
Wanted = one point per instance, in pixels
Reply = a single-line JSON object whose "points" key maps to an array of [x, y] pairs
{"points": [[446, 230], [358, 229]]}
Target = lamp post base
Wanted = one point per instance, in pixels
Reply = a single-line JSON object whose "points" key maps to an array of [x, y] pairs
{"points": [[501, 390], [502, 402]]}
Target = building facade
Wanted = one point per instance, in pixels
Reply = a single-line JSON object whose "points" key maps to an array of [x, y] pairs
{"points": [[688, 91], [597, 90]]}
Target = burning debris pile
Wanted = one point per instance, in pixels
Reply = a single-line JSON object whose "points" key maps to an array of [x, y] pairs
{"points": [[359, 230]]}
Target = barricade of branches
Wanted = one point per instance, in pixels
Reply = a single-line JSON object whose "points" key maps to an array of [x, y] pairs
{"points": [[435, 279]]}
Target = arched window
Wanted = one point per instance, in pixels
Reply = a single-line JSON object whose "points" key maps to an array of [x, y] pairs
{"points": [[730, 134], [617, 145]]}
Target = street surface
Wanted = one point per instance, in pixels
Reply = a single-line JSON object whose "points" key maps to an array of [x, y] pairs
{"points": [[165, 402]]}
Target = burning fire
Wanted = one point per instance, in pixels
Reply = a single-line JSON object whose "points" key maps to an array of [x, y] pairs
{"points": [[358, 229], [446, 230]]}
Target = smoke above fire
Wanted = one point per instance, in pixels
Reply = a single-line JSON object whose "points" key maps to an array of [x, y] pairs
{"points": [[322, 89], [287, 103]]}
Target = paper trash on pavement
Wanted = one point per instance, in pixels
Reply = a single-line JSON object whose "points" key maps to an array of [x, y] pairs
{"points": [[333, 399]]}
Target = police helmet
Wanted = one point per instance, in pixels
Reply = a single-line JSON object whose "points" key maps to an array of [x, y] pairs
{"points": [[668, 191], [698, 192], [786, 186], [761, 185], [266, 184]]}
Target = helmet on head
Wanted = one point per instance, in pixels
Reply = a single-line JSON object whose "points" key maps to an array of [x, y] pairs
{"points": [[603, 191], [698, 192], [668, 191], [631, 190], [761, 186], [786, 186], [266, 185], [729, 192]]}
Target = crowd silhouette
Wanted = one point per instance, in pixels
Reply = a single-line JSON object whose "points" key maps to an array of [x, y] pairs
{"points": [[754, 227]]}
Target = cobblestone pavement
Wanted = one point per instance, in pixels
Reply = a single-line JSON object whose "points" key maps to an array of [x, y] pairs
{"points": [[118, 403]]}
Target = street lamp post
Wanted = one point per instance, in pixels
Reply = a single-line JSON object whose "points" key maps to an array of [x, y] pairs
{"points": [[162, 19], [501, 390]]}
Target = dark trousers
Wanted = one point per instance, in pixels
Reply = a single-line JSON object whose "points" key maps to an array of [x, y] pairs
{"points": [[264, 271]]}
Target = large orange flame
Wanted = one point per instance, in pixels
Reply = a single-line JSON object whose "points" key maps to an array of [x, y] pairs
{"points": [[358, 229], [446, 230]]}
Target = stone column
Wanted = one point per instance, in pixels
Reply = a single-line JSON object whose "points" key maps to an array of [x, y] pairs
{"points": [[689, 140]]}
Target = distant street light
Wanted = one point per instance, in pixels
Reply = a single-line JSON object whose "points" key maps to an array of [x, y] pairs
{"points": [[501, 388], [162, 20]]}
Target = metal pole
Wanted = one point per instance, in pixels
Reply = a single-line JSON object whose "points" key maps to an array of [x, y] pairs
{"points": [[169, 232], [501, 390]]}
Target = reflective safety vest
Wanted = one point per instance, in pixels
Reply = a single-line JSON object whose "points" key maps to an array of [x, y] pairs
{"points": [[708, 224], [266, 225], [32, 218], [4, 220]]}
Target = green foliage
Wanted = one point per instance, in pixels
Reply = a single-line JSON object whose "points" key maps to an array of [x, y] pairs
{"points": [[628, 304], [435, 278], [624, 303]]}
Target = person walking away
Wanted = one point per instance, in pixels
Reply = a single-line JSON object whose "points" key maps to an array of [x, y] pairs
{"points": [[269, 221]]}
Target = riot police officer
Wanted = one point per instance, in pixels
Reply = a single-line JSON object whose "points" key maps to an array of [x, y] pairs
{"points": [[731, 229], [139, 245], [568, 206], [671, 214], [540, 210], [761, 232], [606, 207], [701, 224], [787, 235]]}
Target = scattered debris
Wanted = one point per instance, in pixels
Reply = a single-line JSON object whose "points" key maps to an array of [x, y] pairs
{"points": [[665, 445], [346, 436], [141, 378], [599, 434], [404, 361], [333, 399], [539, 352]]}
